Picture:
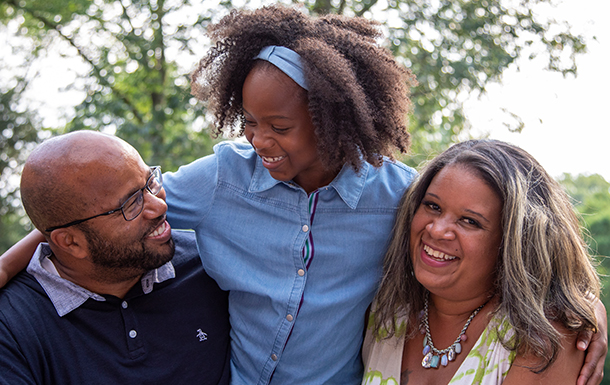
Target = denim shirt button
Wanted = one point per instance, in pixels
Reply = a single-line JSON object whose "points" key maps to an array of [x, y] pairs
{"points": [[301, 272], [274, 357], [289, 317], [305, 228]]}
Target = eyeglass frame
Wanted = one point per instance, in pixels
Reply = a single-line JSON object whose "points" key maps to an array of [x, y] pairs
{"points": [[153, 170]]}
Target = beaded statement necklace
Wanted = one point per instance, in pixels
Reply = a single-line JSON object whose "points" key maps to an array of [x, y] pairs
{"points": [[432, 354]]}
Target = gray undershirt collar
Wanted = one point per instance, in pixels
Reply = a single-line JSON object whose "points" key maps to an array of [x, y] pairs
{"points": [[66, 295]]}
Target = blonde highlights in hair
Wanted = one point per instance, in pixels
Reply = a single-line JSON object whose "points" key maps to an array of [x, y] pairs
{"points": [[544, 273]]}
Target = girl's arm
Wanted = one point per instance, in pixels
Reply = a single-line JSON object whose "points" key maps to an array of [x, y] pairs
{"points": [[17, 257]]}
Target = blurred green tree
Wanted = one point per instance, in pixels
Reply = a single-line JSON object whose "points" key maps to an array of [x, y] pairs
{"points": [[591, 195], [18, 133], [128, 85], [456, 48], [130, 61]]}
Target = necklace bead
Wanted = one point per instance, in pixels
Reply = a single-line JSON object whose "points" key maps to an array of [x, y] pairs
{"points": [[451, 355], [432, 355]]}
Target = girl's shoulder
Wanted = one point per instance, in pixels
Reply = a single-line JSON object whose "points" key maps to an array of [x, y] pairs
{"points": [[393, 172], [396, 166], [389, 181], [236, 161], [236, 150]]}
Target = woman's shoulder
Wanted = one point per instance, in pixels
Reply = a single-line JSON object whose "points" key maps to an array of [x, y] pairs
{"points": [[382, 355], [565, 369]]}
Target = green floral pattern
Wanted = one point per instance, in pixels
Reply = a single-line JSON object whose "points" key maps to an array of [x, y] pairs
{"points": [[487, 363]]}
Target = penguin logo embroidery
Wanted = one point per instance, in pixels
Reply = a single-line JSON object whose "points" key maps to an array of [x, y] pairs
{"points": [[201, 335]]}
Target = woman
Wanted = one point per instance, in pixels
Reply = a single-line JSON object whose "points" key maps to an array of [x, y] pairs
{"points": [[487, 278]]}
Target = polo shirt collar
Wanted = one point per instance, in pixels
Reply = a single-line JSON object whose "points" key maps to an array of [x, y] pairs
{"points": [[348, 184], [67, 296]]}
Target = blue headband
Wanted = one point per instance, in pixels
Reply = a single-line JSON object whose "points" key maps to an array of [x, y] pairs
{"points": [[288, 61]]}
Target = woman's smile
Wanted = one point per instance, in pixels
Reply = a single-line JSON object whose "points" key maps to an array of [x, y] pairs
{"points": [[456, 233]]}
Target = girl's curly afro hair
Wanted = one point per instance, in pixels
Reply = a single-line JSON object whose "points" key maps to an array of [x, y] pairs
{"points": [[358, 95]]}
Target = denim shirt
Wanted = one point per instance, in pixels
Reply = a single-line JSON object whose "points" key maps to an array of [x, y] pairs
{"points": [[289, 324]]}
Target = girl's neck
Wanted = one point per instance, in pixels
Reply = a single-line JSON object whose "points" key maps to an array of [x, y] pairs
{"points": [[311, 184]]}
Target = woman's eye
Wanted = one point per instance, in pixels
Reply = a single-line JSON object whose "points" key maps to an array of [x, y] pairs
{"points": [[279, 130], [471, 222], [431, 206]]}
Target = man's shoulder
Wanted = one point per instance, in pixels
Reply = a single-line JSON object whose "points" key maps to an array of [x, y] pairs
{"points": [[22, 285], [186, 246], [184, 238], [23, 301]]}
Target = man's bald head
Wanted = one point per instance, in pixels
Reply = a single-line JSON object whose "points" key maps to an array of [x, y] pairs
{"points": [[63, 175]]}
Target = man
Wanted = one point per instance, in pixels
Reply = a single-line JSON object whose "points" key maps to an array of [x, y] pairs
{"points": [[103, 301]]}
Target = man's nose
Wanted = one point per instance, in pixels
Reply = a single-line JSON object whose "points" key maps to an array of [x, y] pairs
{"points": [[154, 205]]}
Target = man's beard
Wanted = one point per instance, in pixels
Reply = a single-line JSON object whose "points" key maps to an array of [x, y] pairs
{"points": [[121, 260]]}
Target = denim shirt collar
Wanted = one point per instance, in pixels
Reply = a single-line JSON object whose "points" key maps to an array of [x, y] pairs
{"points": [[348, 184], [67, 296]]}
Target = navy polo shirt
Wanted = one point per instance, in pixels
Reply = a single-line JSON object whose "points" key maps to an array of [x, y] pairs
{"points": [[178, 333]]}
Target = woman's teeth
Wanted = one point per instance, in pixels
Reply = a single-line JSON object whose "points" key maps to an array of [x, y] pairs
{"points": [[437, 254]]}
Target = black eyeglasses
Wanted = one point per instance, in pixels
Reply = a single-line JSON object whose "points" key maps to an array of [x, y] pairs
{"points": [[133, 206]]}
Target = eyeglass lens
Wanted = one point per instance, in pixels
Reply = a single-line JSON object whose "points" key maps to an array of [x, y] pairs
{"points": [[134, 205]]}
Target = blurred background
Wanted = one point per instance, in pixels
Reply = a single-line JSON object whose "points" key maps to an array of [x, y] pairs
{"points": [[525, 71]]}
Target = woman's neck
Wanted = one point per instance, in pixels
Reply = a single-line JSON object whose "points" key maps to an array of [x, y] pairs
{"points": [[458, 309]]}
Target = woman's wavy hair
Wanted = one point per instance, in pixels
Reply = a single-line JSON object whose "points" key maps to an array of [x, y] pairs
{"points": [[358, 95], [544, 270]]}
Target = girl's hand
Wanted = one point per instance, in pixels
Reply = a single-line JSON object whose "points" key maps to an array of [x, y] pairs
{"points": [[596, 347]]}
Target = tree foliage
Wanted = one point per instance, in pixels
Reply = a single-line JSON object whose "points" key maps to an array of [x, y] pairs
{"points": [[129, 86], [456, 48], [591, 195], [18, 134], [131, 60]]}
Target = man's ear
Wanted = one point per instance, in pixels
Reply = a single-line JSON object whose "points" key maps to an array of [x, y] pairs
{"points": [[70, 241]]}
